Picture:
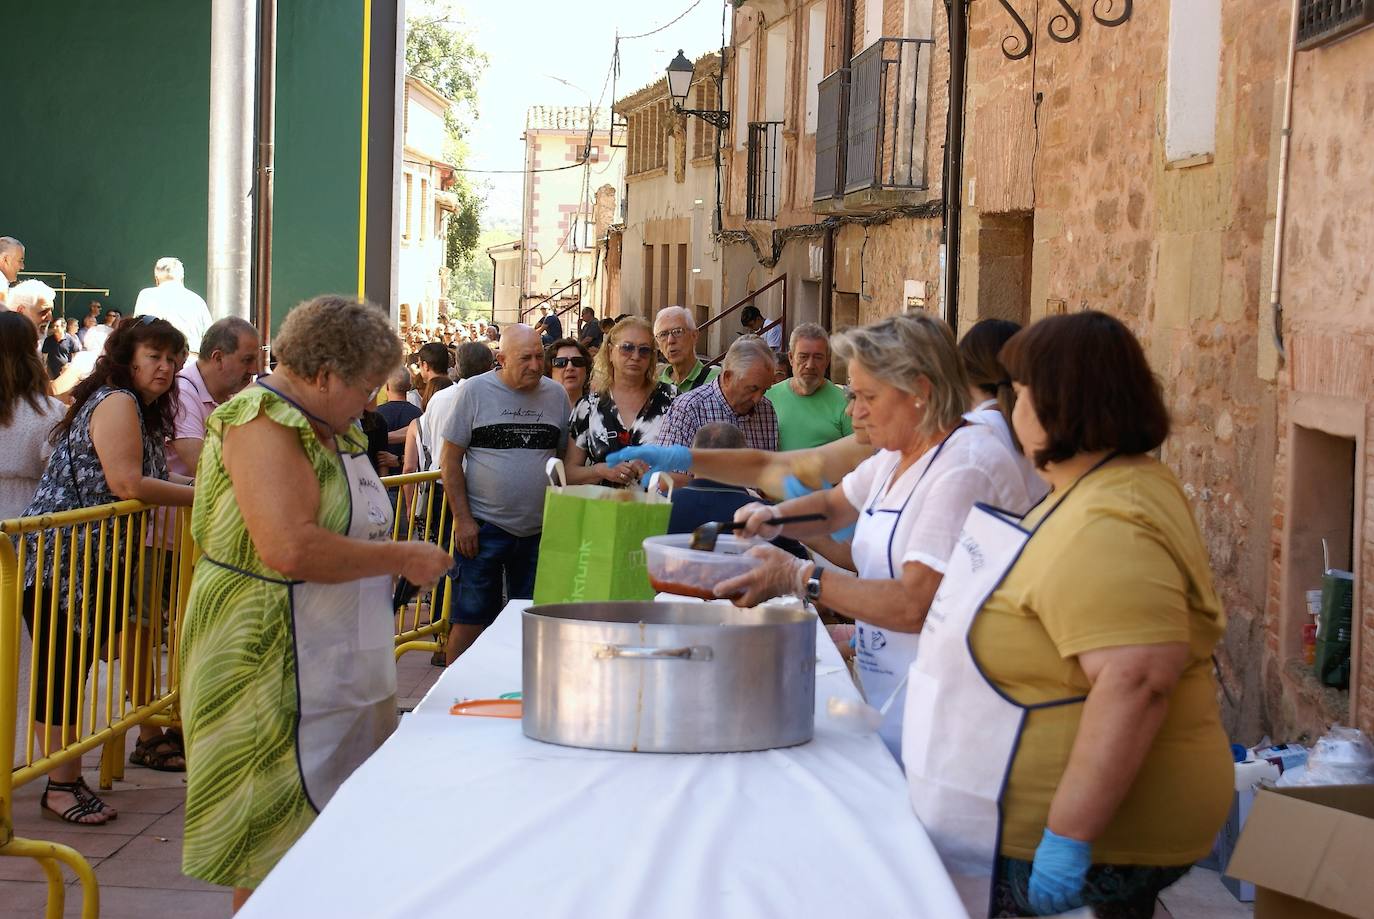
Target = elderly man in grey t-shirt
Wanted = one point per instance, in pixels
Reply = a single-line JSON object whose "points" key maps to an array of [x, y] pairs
{"points": [[505, 426]]}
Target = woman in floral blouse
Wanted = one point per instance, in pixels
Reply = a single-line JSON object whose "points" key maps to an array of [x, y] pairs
{"points": [[624, 386]]}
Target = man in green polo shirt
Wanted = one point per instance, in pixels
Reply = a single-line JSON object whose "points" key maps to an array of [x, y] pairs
{"points": [[675, 331], [811, 409]]}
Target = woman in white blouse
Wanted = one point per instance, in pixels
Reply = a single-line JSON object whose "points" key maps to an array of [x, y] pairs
{"points": [[27, 414], [908, 501]]}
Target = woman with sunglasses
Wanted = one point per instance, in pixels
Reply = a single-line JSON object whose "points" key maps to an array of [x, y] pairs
{"points": [[624, 386], [569, 364]]}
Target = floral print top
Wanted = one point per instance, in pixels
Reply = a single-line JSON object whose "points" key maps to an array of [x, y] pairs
{"points": [[597, 427]]}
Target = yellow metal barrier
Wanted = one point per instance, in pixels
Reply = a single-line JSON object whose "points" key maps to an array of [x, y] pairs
{"points": [[103, 612], [422, 513]]}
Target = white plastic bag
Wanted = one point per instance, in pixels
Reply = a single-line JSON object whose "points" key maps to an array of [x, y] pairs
{"points": [[1343, 756]]}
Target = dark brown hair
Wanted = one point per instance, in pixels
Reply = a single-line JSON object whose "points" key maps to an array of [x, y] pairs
{"points": [[433, 386], [113, 368], [22, 375], [1091, 384], [978, 350], [552, 351]]}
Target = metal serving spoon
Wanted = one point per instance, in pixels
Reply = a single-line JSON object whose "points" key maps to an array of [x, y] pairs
{"points": [[704, 537]]}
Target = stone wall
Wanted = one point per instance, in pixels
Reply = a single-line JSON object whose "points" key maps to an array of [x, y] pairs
{"points": [[1175, 250]]}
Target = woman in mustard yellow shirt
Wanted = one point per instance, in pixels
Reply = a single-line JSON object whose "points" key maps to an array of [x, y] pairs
{"points": [[1063, 742]]}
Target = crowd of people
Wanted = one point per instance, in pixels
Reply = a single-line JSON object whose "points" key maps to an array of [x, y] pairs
{"points": [[1031, 600]]}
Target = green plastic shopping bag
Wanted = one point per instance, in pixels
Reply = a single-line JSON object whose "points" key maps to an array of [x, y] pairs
{"points": [[592, 545]]}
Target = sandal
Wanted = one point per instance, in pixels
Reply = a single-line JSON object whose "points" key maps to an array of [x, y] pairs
{"points": [[158, 753], [87, 805]]}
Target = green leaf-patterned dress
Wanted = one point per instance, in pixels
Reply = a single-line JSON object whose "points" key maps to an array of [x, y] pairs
{"points": [[246, 803]]}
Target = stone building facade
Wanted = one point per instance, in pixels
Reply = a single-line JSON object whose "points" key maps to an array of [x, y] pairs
{"points": [[570, 166]]}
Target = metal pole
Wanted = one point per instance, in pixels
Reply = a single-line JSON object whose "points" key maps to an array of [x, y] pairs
{"points": [[262, 198], [954, 155], [230, 226]]}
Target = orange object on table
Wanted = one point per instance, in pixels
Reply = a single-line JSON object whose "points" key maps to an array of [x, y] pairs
{"points": [[489, 708]]}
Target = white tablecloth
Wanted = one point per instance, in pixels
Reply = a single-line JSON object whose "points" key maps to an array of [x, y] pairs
{"points": [[466, 817]]}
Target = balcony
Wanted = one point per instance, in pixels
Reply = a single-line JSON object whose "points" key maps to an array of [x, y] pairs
{"points": [[765, 168], [871, 124]]}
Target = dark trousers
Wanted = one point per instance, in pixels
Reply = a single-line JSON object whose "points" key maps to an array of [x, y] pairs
{"points": [[503, 567], [59, 651]]}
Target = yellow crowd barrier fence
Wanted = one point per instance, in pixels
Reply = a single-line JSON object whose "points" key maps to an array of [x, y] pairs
{"points": [[91, 604]]}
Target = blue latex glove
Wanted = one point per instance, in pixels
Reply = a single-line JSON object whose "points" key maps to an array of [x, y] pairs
{"points": [[792, 487], [660, 459], [1057, 874]]}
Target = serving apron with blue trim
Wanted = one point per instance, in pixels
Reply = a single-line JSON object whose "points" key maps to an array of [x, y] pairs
{"points": [[960, 732], [881, 656]]}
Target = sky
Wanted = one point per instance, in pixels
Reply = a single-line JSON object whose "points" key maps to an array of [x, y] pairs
{"points": [[528, 42]]}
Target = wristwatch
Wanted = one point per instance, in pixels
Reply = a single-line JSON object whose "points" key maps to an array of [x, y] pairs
{"points": [[813, 584]]}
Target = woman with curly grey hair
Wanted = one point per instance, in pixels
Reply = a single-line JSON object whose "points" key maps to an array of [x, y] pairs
{"points": [[287, 644], [907, 501]]}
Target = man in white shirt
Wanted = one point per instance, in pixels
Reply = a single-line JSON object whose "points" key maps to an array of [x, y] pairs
{"points": [[95, 338], [753, 322], [170, 300], [11, 263]]}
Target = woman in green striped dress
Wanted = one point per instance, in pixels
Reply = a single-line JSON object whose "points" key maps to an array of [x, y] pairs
{"points": [[286, 653]]}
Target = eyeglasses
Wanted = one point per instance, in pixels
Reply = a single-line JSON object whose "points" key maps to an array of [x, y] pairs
{"points": [[561, 362], [673, 334], [629, 348]]}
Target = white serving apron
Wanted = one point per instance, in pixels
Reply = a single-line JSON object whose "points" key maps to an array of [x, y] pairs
{"points": [[345, 668], [960, 732], [882, 656]]}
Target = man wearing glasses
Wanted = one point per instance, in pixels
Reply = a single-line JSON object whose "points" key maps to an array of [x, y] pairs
{"points": [[675, 331]]}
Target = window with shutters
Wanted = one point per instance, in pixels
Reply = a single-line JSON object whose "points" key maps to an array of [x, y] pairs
{"points": [[705, 138], [1324, 21]]}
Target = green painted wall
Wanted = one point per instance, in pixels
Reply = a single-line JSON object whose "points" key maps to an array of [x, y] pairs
{"points": [[106, 167]]}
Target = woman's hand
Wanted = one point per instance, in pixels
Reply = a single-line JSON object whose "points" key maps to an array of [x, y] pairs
{"points": [[781, 573], [756, 517], [621, 473], [423, 563]]}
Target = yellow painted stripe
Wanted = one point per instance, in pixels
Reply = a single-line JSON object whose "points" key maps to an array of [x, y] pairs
{"points": [[362, 158]]}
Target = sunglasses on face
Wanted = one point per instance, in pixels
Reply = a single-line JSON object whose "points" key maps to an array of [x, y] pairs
{"points": [[629, 349], [561, 362]]}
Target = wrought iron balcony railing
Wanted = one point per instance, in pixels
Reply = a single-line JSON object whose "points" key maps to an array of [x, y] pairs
{"points": [[765, 168], [885, 131]]}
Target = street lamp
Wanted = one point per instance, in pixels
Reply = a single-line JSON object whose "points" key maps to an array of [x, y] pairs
{"points": [[680, 84]]}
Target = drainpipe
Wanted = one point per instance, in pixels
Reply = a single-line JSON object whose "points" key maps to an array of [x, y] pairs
{"points": [[954, 153], [262, 201], [493, 286], [1281, 205], [828, 278], [229, 230]]}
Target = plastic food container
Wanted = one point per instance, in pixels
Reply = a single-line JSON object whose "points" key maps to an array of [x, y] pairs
{"points": [[675, 568]]}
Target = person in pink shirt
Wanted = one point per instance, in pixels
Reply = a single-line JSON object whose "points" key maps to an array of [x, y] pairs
{"points": [[227, 361]]}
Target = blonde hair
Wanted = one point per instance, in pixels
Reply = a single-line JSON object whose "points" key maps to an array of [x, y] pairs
{"points": [[903, 349], [603, 371], [348, 337]]}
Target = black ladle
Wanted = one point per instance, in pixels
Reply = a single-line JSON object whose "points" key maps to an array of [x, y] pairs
{"points": [[704, 537]]}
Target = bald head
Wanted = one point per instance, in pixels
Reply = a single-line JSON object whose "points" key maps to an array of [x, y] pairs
{"points": [[522, 357]]}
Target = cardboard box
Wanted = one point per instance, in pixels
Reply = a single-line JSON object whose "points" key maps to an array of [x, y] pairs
{"points": [[1248, 776], [1309, 852]]}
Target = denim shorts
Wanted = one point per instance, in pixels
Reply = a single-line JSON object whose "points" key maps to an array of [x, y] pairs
{"points": [[503, 568]]}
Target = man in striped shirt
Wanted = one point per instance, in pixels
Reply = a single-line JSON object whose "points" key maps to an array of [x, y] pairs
{"points": [[735, 397]]}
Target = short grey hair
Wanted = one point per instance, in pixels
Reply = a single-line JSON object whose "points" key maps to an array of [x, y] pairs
{"points": [[749, 351], [807, 330], [338, 334], [675, 312], [900, 350], [225, 334], [718, 435], [8, 244], [28, 294], [169, 268]]}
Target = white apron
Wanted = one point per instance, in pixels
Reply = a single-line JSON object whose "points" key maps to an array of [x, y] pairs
{"points": [[960, 732], [882, 656], [345, 667]]}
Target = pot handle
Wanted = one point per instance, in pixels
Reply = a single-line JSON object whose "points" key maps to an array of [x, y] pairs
{"points": [[690, 653]]}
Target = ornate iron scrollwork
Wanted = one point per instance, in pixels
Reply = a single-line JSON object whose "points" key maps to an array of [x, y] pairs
{"points": [[1108, 5], [1065, 28], [1020, 44]]}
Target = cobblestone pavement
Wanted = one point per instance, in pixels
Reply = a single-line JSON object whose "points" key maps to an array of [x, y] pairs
{"points": [[137, 858]]}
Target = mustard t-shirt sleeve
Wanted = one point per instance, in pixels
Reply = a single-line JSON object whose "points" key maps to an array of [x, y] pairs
{"points": [[1127, 589]]}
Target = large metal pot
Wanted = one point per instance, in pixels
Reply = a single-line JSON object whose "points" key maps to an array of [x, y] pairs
{"points": [[669, 677]]}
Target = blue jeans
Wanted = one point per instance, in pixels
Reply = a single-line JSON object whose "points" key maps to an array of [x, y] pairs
{"points": [[504, 564]]}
